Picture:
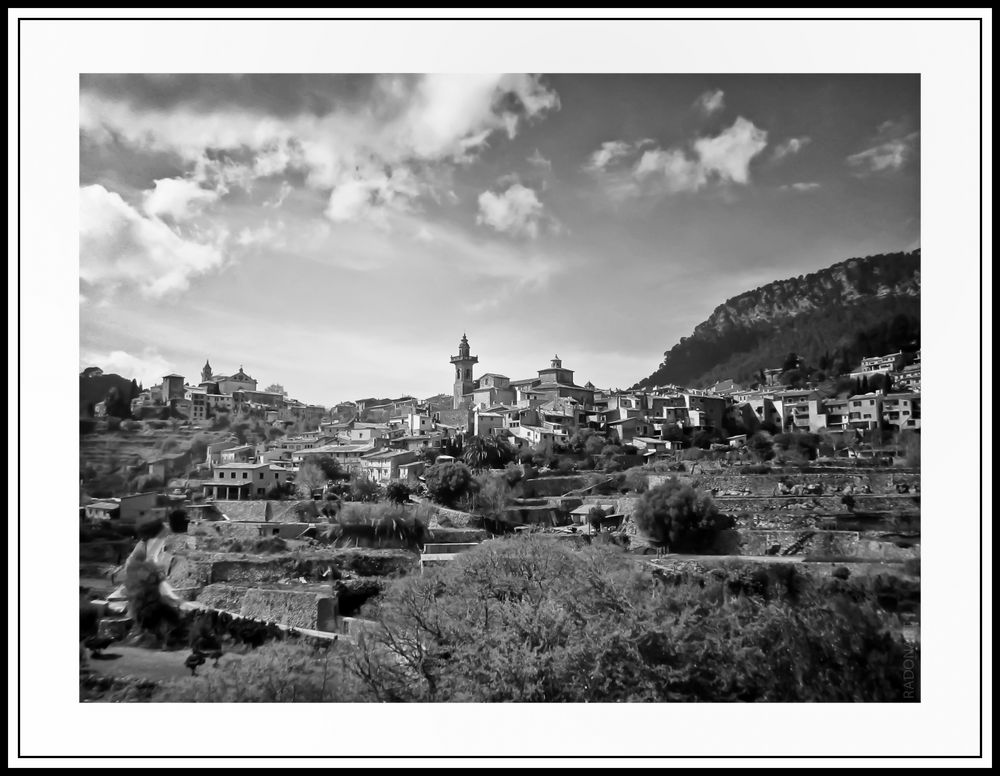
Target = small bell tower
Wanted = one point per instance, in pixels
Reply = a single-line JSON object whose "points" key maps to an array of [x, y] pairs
{"points": [[463, 372]]}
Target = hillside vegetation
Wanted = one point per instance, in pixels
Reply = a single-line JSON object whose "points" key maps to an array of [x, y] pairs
{"points": [[831, 319]]}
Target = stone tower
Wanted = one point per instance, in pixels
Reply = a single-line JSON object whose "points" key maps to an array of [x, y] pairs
{"points": [[206, 372], [463, 372]]}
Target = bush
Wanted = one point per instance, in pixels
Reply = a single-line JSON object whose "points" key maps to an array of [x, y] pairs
{"points": [[448, 482], [761, 445], [529, 619], [677, 516], [397, 492], [637, 479], [364, 489], [277, 672]]}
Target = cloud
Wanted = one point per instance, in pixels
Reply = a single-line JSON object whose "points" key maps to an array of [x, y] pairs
{"points": [[147, 367], [537, 160], [120, 246], [516, 211], [885, 157], [728, 154], [790, 147], [282, 195], [178, 198], [710, 102], [373, 196], [679, 172], [804, 186], [626, 170], [415, 124], [609, 152]]}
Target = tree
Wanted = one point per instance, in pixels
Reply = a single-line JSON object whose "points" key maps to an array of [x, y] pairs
{"points": [[529, 619], [309, 479], [448, 482], [799, 444], [116, 405], [477, 452], [595, 517], [492, 494], [331, 468], [677, 516], [397, 492], [276, 388], [364, 489], [762, 445]]}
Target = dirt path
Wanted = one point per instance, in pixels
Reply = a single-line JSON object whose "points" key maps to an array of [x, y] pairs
{"points": [[156, 665]]}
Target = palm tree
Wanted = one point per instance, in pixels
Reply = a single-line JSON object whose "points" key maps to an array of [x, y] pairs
{"points": [[479, 451]]}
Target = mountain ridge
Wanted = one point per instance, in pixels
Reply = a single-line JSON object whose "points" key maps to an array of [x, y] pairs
{"points": [[868, 302]]}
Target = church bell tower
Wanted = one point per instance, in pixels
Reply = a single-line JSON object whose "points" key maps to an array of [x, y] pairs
{"points": [[463, 372]]}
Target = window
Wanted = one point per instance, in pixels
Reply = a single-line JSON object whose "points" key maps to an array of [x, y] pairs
{"points": [[245, 475], [260, 476], [232, 475], [221, 475]]}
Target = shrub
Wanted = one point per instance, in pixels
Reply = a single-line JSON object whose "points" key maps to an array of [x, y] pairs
{"points": [[677, 516], [277, 672], [448, 482], [637, 480], [761, 445], [529, 619], [364, 489], [397, 492]]}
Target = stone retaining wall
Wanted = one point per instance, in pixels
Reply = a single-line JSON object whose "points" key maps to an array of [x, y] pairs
{"points": [[877, 481], [297, 609]]}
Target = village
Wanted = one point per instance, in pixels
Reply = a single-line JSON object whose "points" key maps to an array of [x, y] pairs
{"points": [[290, 518]]}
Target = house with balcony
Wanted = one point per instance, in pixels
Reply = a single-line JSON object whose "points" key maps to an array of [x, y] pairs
{"points": [[901, 411], [864, 411], [874, 365]]}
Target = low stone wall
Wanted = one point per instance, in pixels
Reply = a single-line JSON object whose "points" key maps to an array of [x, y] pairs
{"points": [[456, 518], [548, 515], [229, 598], [552, 486], [257, 571], [828, 543], [439, 534], [816, 504], [878, 482], [297, 609]]}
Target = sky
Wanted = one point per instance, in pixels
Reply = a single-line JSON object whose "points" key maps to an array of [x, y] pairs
{"points": [[337, 234]]}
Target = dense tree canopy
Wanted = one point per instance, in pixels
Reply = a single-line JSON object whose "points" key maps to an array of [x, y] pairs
{"points": [[678, 517]]}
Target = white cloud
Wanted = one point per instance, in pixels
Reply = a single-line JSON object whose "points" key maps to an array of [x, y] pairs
{"points": [[118, 245], [178, 198], [710, 102], [279, 200], [680, 173], [886, 157], [802, 186], [373, 196], [266, 234], [790, 147], [537, 160], [609, 152], [516, 211], [724, 158], [416, 123], [147, 367], [728, 154]]}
